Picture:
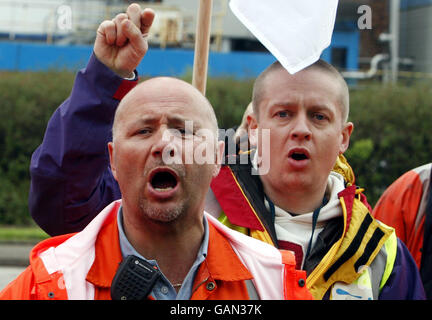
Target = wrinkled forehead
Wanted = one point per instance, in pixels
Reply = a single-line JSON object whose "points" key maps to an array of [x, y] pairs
{"points": [[176, 103]]}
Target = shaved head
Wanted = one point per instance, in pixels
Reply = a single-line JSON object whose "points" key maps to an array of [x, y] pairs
{"points": [[168, 90]]}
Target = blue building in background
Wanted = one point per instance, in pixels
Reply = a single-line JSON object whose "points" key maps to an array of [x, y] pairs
{"points": [[31, 56], [243, 56]]}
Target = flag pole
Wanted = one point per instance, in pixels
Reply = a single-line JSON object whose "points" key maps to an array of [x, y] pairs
{"points": [[202, 43]]}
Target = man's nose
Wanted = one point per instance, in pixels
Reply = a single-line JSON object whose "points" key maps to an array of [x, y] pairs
{"points": [[301, 129], [164, 145]]}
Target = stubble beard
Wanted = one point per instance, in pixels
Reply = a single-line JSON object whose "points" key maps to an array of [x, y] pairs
{"points": [[162, 215]]}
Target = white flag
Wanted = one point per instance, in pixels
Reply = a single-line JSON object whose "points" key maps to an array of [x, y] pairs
{"points": [[295, 31]]}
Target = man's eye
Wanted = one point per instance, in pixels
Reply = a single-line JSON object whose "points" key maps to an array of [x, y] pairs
{"points": [[144, 131], [282, 114], [319, 116], [181, 132], [188, 132]]}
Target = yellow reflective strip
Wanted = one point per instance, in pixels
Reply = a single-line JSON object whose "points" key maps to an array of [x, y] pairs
{"points": [[225, 221], [391, 250], [260, 235], [358, 193], [245, 152], [318, 291]]}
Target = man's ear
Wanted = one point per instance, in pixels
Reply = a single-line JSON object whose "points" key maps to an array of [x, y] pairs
{"points": [[252, 130], [111, 158], [346, 134]]}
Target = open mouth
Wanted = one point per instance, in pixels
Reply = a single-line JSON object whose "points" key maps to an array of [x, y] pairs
{"points": [[163, 180], [298, 155]]}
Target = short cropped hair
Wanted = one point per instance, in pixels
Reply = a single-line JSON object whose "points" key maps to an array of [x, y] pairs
{"points": [[319, 65]]}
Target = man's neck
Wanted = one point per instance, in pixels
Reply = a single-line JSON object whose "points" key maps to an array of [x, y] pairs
{"points": [[297, 201], [173, 245]]}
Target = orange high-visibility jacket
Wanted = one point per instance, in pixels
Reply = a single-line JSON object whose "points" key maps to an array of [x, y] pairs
{"points": [[403, 207], [82, 266]]}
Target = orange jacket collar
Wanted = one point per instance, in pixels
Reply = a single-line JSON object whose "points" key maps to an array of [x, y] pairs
{"points": [[221, 263]]}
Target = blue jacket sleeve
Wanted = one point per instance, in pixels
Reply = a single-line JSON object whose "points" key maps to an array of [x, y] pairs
{"points": [[71, 181], [404, 282]]}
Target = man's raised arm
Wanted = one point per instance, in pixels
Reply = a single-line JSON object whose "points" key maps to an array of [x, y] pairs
{"points": [[70, 176]]}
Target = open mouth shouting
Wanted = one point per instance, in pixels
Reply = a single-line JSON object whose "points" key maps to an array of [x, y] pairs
{"points": [[163, 182], [298, 157]]}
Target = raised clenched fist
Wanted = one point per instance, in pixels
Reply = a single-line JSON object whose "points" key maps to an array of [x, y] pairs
{"points": [[121, 43]]}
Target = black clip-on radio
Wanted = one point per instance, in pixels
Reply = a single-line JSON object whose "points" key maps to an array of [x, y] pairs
{"points": [[134, 279]]}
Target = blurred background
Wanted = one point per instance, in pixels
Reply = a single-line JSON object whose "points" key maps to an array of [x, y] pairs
{"points": [[41, 34], [382, 47]]}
